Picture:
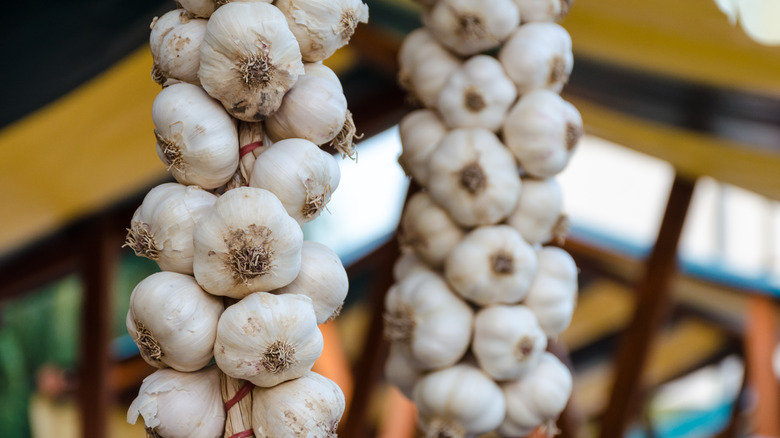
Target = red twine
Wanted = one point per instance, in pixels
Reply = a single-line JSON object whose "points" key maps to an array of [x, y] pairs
{"points": [[249, 148], [244, 434], [239, 395]]}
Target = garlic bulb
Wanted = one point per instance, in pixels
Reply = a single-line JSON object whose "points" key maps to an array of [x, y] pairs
{"points": [[400, 370], [424, 66], [180, 405], [321, 70], [536, 399], [175, 45], [247, 243], [407, 265], [322, 26], [196, 138], [541, 131], [507, 341], [268, 339], [538, 56], [300, 174], [542, 10], [252, 142], [539, 213], [477, 95], [474, 177], [429, 230], [420, 132], [553, 293], [310, 406], [427, 319], [468, 27], [162, 227], [457, 402], [204, 8], [492, 264], [322, 278], [173, 321], [249, 59]]}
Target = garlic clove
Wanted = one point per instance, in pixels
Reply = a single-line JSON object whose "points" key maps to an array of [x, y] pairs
{"points": [[322, 26], [420, 133], [468, 27], [173, 321], [322, 71], [322, 278], [538, 56], [175, 45], [196, 138], [247, 243], [249, 59], [539, 213], [310, 406], [268, 339], [542, 131], [492, 264], [553, 293], [163, 225], [429, 230], [427, 70], [180, 405], [543, 10]]}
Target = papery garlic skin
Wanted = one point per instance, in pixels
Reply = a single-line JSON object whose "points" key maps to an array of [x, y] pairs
{"points": [[180, 405], [300, 174], [252, 142], [474, 177], [507, 341], [249, 59], [196, 138], [199, 8], [163, 225], [310, 406], [409, 263], [542, 131], [553, 293], [492, 264], [458, 401], [423, 316], [468, 27], [424, 66], [477, 95], [542, 10], [429, 230], [322, 26], [173, 321], [420, 133], [401, 371], [322, 278], [247, 243], [175, 45], [268, 339], [537, 398], [538, 56], [539, 213]]}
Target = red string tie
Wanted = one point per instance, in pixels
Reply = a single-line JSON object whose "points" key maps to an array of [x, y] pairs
{"points": [[249, 148], [244, 434], [243, 392]]}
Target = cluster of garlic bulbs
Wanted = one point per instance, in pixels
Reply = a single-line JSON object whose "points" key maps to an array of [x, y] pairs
{"points": [[478, 289], [232, 320]]}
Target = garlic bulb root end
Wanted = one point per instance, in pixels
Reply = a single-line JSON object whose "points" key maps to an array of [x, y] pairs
{"points": [[171, 152], [524, 348], [255, 70], [573, 134], [344, 142], [151, 433], [147, 342], [141, 241], [278, 357], [472, 178], [315, 203], [502, 263], [158, 75], [443, 428], [249, 253]]}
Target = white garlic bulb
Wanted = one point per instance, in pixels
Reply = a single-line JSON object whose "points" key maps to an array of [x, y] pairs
{"points": [[538, 56], [477, 95], [246, 243], [492, 264], [468, 27], [539, 213], [196, 138], [204, 8], [458, 401], [300, 174], [408, 264], [321, 70], [310, 406], [322, 278], [420, 133], [429, 230], [541, 131], [553, 293], [175, 45], [322, 26], [424, 66], [427, 319], [249, 59], [162, 226], [474, 177], [542, 10], [180, 405], [268, 339], [536, 399], [507, 341], [400, 370], [173, 321]]}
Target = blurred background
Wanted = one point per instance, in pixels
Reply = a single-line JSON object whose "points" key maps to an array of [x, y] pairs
{"points": [[672, 197]]}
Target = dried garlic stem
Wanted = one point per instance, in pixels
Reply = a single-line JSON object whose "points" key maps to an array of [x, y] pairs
{"points": [[344, 142], [399, 326], [239, 417]]}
